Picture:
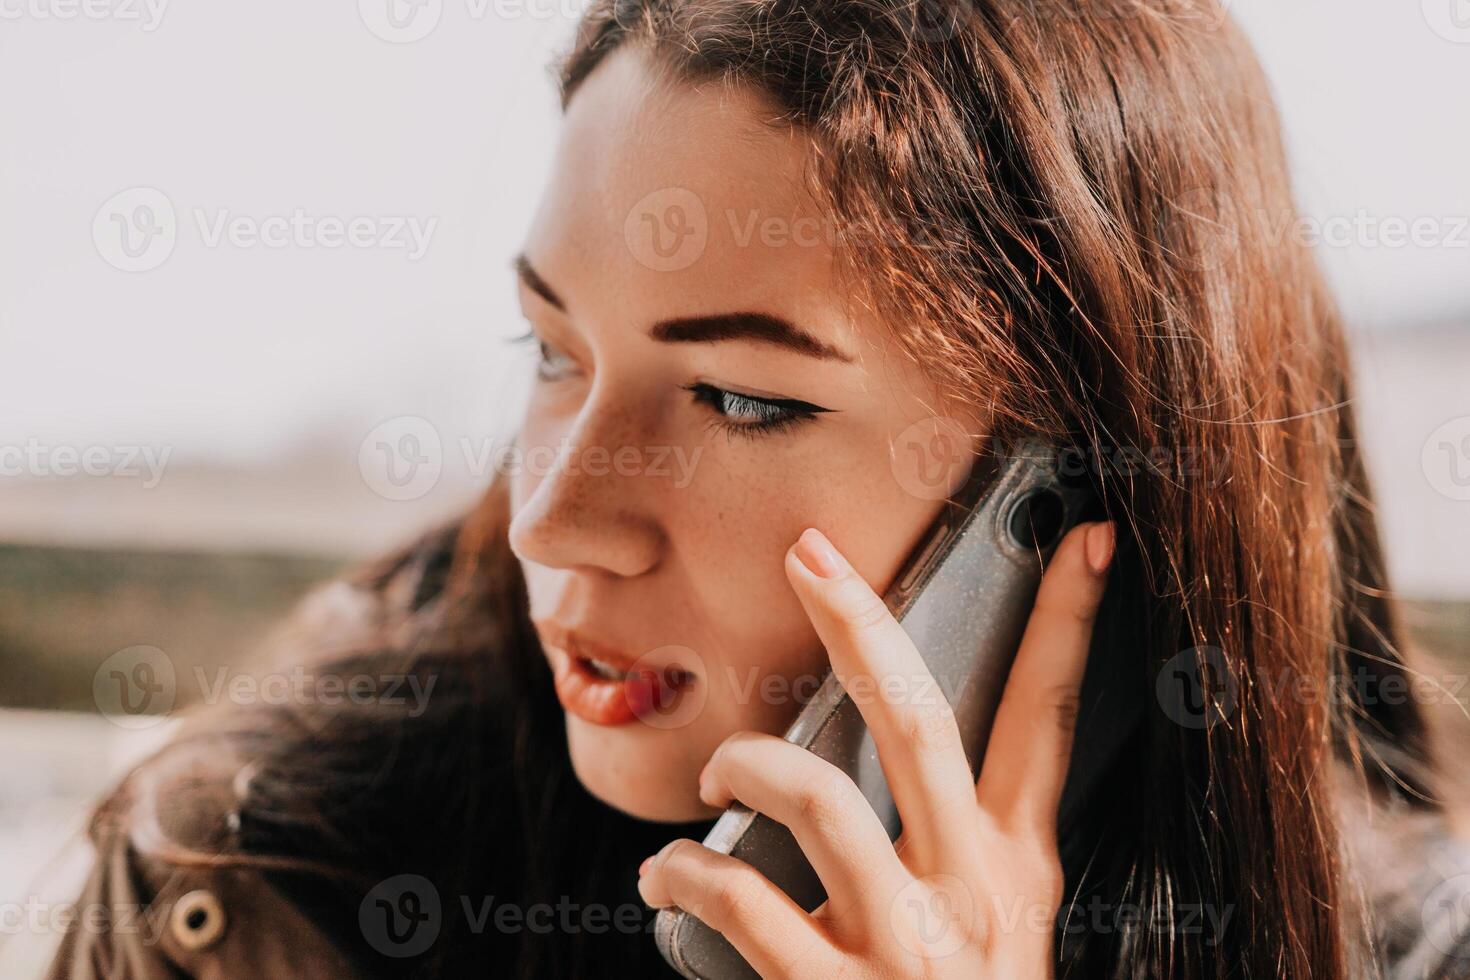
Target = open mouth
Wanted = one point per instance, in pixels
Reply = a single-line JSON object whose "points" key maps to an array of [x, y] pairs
{"points": [[603, 669], [601, 693], [673, 677], [604, 686]]}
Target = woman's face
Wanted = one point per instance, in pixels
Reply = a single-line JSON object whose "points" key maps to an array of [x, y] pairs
{"points": [[704, 395]]}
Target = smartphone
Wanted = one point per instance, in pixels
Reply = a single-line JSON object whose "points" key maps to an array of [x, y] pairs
{"points": [[964, 597]]}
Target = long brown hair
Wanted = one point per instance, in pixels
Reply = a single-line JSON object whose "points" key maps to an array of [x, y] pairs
{"points": [[1067, 214]]}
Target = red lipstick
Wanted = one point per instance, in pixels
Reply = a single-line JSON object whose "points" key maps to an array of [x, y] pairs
{"points": [[601, 684]]}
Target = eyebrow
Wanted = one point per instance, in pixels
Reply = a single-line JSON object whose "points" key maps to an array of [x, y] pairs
{"points": [[528, 275], [759, 327]]}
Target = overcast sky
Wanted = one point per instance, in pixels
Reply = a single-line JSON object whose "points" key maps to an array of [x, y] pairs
{"points": [[237, 351]]}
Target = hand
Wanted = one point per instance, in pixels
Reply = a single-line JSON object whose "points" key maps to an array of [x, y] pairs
{"points": [[972, 886]]}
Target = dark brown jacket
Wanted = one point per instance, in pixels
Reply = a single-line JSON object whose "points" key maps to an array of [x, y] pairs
{"points": [[383, 837], [329, 841]]}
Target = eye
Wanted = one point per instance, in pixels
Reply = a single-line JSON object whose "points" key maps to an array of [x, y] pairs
{"points": [[749, 415], [552, 364]]}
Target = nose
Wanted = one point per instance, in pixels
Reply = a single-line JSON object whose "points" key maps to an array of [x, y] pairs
{"points": [[587, 510]]}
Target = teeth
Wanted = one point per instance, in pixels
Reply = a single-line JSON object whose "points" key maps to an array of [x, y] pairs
{"points": [[603, 669], [674, 677]]}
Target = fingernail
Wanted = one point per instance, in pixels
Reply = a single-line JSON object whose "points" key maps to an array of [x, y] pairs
{"points": [[642, 868], [1098, 546], [818, 555]]}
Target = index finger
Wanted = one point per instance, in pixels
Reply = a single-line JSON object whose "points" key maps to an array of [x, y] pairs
{"points": [[911, 720]]}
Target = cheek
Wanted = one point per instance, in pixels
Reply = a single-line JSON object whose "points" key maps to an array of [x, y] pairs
{"points": [[770, 658], [756, 636]]}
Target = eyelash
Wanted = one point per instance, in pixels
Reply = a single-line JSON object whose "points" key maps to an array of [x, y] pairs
{"points": [[773, 415], [543, 354]]}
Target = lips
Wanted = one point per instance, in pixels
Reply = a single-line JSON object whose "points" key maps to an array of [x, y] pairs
{"points": [[602, 684]]}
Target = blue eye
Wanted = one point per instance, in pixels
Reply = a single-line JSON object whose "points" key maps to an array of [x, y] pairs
{"points": [[748, 415]]}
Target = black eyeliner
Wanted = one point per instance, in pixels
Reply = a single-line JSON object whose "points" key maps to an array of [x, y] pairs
{"points": [[699, 388]]}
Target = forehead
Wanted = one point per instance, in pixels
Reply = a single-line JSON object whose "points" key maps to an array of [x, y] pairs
{"points": [[679, 199]]}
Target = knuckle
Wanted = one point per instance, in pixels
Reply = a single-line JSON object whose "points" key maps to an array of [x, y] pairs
{"points": [[867, 614], [727, 753], [745, 736], [678, 854], [930, 726], [1065, 706], [1065, 607], [728, 748], [734, 898], [822, 803]]}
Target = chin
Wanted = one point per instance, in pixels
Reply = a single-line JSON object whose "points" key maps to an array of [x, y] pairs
{"points": [[644, 773]]}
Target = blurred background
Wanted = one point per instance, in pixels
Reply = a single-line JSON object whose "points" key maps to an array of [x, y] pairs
{"points": [[255, 297]]}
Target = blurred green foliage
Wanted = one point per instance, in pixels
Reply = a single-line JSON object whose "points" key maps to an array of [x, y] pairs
{"points": [[65, 610]]}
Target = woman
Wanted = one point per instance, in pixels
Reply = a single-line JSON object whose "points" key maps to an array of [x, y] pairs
{"points": [[780, 236]]}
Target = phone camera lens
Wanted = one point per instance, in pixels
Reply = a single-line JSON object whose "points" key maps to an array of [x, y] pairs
{"points": [[1036, 520]]}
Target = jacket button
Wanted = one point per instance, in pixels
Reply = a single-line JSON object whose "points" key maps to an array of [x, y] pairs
{"points": [[198, 920]]}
